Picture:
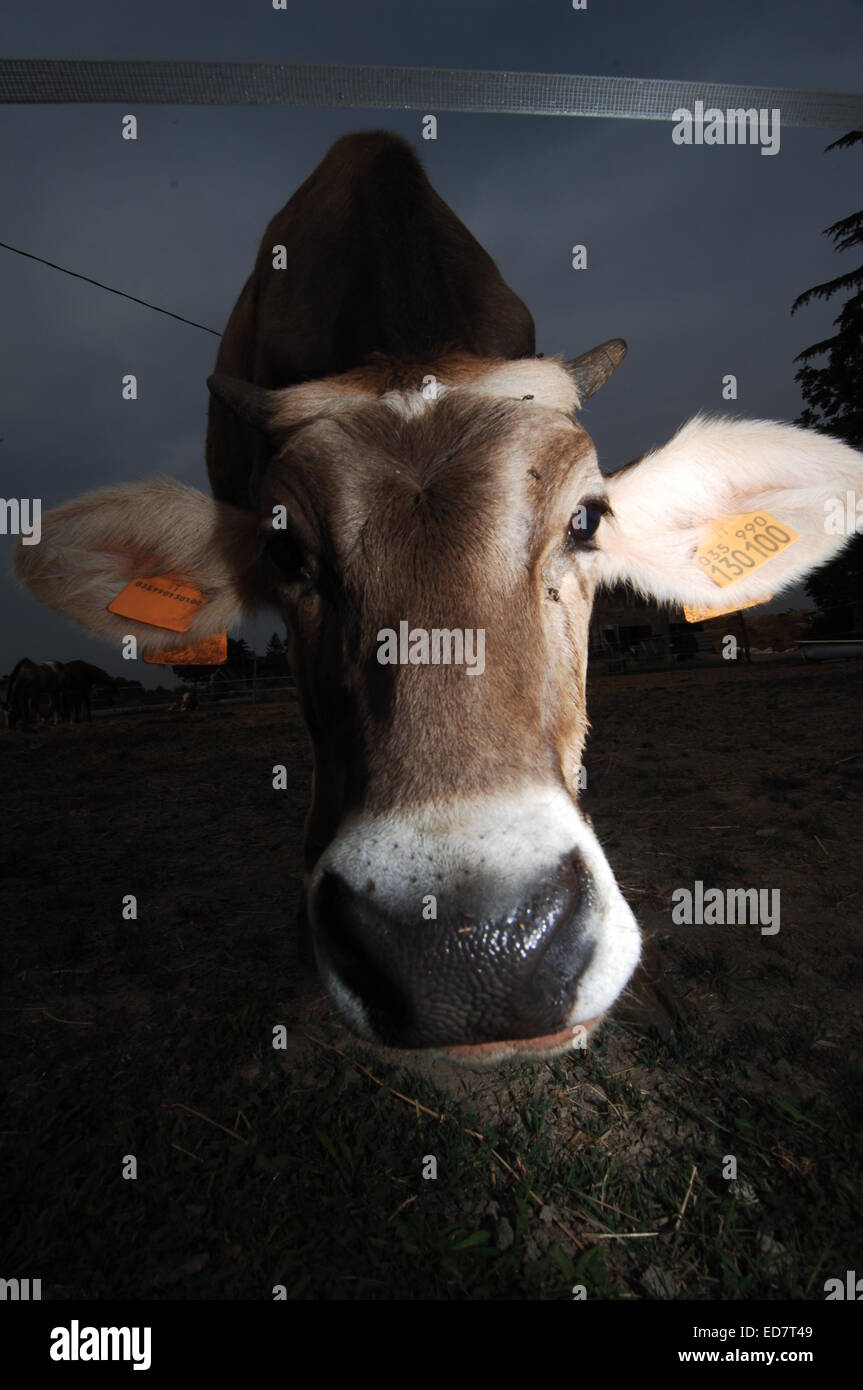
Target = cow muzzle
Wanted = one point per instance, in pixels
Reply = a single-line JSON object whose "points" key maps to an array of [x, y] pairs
{"points": [[485, 929]]}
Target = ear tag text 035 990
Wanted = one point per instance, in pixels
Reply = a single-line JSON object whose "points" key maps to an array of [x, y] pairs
{"points": [[740, 544]]}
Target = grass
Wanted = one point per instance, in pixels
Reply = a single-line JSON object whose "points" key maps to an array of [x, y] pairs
{"points": [[716, 868], [315, 1182], [259, 1168], [709, 966], [784, 782]]}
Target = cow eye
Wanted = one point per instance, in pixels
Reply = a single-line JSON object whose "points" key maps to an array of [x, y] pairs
{"points": [[286, 554], [585, 519]]}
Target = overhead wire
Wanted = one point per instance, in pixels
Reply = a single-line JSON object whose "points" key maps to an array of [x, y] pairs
{"points": [[88, 279]]}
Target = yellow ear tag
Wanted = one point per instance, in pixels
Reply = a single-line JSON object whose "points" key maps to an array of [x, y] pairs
{"points": [[698, 615], [163, 601], [210, 651], [739, 545]]}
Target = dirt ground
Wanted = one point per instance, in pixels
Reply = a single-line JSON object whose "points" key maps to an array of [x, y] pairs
{"points": [[739, 777]]}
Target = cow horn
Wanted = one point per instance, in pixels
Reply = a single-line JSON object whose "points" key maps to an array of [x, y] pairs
{"points": [[592, 369], [254, 404]]}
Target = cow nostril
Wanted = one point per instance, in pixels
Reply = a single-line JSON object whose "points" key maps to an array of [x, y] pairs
{"points": [[467, 977], [352, 937]]}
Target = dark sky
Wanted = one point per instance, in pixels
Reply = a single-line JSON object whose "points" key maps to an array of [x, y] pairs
{"points": [[695, 255]]}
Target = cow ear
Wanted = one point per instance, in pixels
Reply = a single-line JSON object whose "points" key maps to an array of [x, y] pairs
{"points": [[92, 548], [728, 512], [257, 405]]}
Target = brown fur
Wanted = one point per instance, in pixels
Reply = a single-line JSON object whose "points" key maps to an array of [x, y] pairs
{"points": [[454, 517], [82, 677], [29, 682], [376, 262]]}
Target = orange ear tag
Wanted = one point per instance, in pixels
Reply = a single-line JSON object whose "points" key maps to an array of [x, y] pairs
{"points": [[698, 615], [739, 545], [163, 601], [210, 651]]}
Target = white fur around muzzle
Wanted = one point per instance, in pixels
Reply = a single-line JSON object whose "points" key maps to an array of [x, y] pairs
{"points": [[493, 848]]}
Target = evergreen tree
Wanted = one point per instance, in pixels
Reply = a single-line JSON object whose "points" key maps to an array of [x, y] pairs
{"points": [[240, 663], [241, 658], [276, 657], [193, 673], [833, 393]]}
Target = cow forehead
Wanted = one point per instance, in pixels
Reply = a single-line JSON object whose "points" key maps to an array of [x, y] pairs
{"points": [[469, 467], [545, 381], [412, 387]]}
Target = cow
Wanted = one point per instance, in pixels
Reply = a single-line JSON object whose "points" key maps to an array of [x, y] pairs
{"points": [[29, 683], [82, 677], [389, 459], [187, 703]]}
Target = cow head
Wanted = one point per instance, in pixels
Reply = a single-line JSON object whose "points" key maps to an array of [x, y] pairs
{"points": [[457, 897]]}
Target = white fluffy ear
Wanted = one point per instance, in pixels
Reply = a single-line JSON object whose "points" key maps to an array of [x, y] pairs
{"points": [[91, 548], [672, 502]]}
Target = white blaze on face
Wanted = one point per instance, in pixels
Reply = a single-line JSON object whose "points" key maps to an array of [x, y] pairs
{"points": [[483, 855]]}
